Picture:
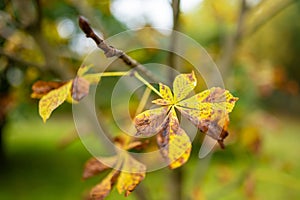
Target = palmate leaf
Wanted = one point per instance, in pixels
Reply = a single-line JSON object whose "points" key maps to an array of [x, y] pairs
{"points": [[207, 110], [126, 175], [174, 143]]}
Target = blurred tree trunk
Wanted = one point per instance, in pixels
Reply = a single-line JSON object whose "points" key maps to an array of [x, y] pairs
{"points": [[176, 182], [2, 152], [4, 104]]}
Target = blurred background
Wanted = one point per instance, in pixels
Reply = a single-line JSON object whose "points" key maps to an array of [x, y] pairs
{"points": [[255, 43]]}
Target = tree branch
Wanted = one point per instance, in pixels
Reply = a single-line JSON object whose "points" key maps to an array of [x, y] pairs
{"points": [[110, 51]]}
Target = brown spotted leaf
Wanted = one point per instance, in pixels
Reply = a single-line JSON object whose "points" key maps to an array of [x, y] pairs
{"points": [[209, 111], [151, 121], [41, 88], [183, 85], [175, 145], [167, 95], [127, 172], [53, 99]]}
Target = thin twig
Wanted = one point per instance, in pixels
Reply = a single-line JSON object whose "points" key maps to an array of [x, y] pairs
{"points": [[138, 76], [110, 51]]}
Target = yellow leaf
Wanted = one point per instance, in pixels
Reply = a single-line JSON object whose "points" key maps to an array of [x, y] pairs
{"points": [[53, 99], [209, 111], [133, 172], [209, 102], [151, 121], [183, 85], [41, 88], [174, 143], [167, 95]]}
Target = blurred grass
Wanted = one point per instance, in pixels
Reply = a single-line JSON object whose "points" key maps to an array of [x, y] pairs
{"points": [[39, 169]]}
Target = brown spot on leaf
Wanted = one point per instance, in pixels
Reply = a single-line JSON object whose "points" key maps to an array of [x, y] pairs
{"points": [[41, 88]]}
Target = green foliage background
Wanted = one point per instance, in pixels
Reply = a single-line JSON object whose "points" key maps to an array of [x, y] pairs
{"points": [[261, 161]]}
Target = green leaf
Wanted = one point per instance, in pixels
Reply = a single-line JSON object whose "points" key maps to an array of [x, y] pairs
{"points": [[53, 99], [183, 85]]}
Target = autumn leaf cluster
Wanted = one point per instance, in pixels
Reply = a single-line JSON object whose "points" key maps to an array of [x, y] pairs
{"points": [[208, 111]]}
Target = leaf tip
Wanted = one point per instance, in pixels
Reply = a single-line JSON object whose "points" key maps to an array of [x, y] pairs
{"points": [[44, 117]]}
